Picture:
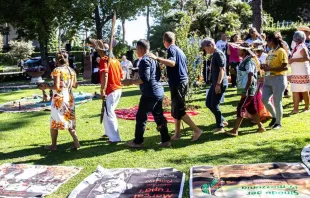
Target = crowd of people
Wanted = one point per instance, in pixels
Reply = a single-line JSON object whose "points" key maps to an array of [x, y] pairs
{"points": [[257, 66]]}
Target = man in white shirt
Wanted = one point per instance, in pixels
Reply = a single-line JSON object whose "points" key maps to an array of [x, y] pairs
{"points": [[222, 44], [126, 67]]}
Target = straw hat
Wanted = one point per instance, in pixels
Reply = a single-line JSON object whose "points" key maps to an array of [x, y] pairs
{"points": [[244, 46], [259, 48], [303, 28], [99, 45]]}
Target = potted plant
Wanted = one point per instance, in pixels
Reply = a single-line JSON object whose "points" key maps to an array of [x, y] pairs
{"points": [[35, 73]]}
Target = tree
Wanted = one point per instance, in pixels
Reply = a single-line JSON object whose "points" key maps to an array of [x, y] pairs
{"points": [[156, 9], [287, 9], [189, 42], [20, 50], [35, 19], [168, 23], [257, 6]]}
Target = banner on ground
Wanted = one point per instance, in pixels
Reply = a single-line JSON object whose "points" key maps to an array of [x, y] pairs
{"points": [[305, 155], [21, 180], [131, 183], [272, 180]]}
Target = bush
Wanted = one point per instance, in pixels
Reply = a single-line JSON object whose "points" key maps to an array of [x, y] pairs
{"points": [[78, 55], [6, 60], [286, 31], [20, 50]]}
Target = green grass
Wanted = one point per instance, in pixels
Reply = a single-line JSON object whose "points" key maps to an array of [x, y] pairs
{"points": [[23, 135]]}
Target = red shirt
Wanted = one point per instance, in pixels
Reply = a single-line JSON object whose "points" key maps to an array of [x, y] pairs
{"points": [[115, 74]]}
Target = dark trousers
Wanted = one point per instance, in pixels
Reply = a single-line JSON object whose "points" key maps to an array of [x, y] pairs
{"points": [[213, 103], [233, 73], [155, 106]]}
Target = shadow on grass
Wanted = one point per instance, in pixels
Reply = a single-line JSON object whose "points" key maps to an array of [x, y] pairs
{"points": [[23, 120], [264, 154]]}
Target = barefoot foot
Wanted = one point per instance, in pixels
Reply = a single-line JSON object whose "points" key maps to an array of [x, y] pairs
{"points": [[196, 135]]}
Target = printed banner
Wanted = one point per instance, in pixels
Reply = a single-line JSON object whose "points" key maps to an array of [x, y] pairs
{"points": [[131, 183], [272, 180], [21, 180], [305, 156]]}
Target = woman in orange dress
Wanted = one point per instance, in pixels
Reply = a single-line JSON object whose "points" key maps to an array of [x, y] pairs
{"points": [[62, 107]]}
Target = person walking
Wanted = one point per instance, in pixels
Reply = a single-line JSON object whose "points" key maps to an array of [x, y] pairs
{"points": [[219, 82], [62, 106], [151, 99], [247, 84], [177, 73], [110, 90], [275, 80], [300, 78]]}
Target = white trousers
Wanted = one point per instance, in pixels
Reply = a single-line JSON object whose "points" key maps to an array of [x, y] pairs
{"points": [[126, 74], [109, 119]]}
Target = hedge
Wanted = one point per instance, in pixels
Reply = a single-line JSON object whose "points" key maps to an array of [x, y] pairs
{"points": [[286, 31], [78, 55]]}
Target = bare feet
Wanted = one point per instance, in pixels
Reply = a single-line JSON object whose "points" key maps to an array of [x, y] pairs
{"points": [[232, 133], [51, 148], [225, 123], [294, 112], [218, 131], [306, 110], [196, 135], [261, 129], [176, 137]]}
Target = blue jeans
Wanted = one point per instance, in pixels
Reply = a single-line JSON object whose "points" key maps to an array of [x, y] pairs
{"points": [[155, 106], [274, 86], [213, 103]]}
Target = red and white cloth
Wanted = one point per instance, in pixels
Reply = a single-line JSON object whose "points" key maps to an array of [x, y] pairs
{"points": [[130, 114]]}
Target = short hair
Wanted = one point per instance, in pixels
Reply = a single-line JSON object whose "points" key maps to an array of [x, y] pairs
{"points": [[207, 42], [169, 37], [144, 44], [299, 37]]}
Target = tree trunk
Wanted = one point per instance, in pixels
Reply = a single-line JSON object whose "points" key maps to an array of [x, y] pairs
{"points": [[148, 22], [44, 55], [182, 4], [98, 23], [124, 30], [257, 6]]}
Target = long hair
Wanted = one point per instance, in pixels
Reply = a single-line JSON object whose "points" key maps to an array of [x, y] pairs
{"points": [[277, 40]]}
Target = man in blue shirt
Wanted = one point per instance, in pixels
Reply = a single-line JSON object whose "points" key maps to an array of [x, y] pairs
{"points": [[152, 97], [219, 82], [178, 83]]}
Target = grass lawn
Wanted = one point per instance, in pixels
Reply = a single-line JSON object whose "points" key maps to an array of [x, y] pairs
{"points": [[23, 135]]}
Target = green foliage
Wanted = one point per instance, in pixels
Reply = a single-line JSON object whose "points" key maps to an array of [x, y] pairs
{"points": [[1, 42], [286, 31], [120, 49], [168, 23], [288, 10], [20, 50], [52, 45], [189, 42], [225, 15]]}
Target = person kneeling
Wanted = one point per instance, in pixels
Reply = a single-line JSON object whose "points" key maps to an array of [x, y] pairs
{"points": [[246, 83], [151, 99]]}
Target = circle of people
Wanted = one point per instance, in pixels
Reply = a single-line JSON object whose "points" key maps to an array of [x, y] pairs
{"points": [[257, 67]]}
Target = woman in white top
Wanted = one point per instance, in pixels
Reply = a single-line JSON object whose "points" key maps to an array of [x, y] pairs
{"points": [[300, 78]]}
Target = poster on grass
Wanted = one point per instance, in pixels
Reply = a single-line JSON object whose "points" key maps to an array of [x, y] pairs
{"points": [[305, 155], [272, 180], [131, 183], [23, 180]]}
